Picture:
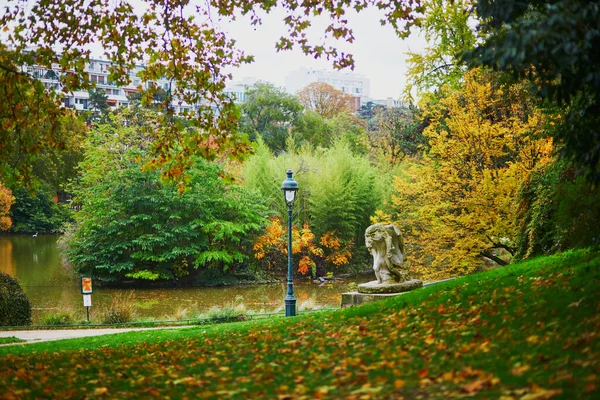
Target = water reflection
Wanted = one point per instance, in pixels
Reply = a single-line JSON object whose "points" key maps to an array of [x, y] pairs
{"points": [[50, 286]]}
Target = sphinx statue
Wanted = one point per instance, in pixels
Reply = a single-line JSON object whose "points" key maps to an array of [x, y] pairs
{"points": [[386, 245]]}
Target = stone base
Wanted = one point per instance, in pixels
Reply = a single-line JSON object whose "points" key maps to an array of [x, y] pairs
{"points": [[350, 299], [374, 287]]}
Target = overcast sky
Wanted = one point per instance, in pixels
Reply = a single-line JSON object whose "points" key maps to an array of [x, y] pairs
{"points": [[379, 54]]}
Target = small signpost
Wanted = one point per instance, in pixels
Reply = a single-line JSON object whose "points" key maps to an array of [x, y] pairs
{"points": [[86, 290]]}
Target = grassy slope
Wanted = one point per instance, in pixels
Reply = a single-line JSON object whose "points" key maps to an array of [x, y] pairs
{"points": [[525, 331]]}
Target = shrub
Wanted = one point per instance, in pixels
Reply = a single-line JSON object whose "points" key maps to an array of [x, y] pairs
{"points": [[226, 314], [121, 309], [58, 318], [15, 308]]}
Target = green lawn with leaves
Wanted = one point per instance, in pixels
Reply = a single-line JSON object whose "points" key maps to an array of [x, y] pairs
{"points": [[526, 331]]}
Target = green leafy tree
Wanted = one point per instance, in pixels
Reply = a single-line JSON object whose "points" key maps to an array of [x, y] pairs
{"points": [[448, 28], [317, 131], [270, 112], [558, 210], [555, 43], [38, 212], [132, 225], [98, 103]]}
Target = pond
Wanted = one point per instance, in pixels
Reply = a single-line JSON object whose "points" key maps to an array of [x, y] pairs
{"points": [[51, 287]]}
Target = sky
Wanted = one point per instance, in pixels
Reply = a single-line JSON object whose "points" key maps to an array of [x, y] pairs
{"points": [[379, 54]]}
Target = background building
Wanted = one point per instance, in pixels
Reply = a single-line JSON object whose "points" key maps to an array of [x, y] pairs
{"points": [[348, 82]]}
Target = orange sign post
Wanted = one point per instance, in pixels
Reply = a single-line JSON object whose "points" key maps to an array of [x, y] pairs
{"points": [[86, 290], [86, 285]]}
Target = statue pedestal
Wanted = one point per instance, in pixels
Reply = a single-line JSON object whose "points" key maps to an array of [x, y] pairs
{"points": [[374, 291], [374, 287], [350, 299]]}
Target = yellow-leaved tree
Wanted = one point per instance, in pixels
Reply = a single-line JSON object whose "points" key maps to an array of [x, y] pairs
{"points": [[457, 207], [6, 200]]}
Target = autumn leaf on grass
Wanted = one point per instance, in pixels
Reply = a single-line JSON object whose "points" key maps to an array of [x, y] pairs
{"points": [[399, 384], [542, 394], [100, 391], [188, 380], [533, 339], [519, 369]]}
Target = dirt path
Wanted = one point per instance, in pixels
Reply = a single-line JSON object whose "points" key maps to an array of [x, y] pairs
{"points": [[34, 336]]}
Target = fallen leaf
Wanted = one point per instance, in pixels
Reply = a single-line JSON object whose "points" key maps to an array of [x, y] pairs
{"points": [[399, 384], [99, 391], [519, 369]]}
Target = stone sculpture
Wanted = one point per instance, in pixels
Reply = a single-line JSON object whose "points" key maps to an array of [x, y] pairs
{"points": [[386, 245]]}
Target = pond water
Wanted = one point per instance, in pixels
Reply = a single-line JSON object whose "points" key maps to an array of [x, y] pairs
{"points": [[51, 287]]}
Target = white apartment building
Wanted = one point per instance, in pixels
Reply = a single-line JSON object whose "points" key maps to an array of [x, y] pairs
{"points": [[348, 82], [238, 90], [97, 70]]}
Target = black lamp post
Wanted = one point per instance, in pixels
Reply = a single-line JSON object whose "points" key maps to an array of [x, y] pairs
{"points": [[289, 187]]}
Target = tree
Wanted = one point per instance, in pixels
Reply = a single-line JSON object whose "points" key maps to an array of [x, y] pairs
{"points": [[180, 43], [459, 206], [98, 102], [397, 133], [132, 225], [6, 200], [315, 130], [555, 44], [31, 120], [271, 113], [448, 27], [38, 212], [325, 100]]}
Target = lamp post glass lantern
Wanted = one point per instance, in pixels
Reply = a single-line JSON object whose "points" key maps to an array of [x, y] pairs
{"points": [[289, 187]]}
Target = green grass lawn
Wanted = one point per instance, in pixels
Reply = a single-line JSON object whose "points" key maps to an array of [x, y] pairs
{"points": [[526, 331], [12, 339]]}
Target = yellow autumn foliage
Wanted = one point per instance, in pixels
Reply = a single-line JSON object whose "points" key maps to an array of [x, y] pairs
{"points": [[271, 248], [457, 207], [6, 201]]}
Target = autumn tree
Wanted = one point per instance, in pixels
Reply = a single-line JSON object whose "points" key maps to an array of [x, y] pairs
{"points": [[312, 257], [6, 200], [459, 206], [325, 100], [31, 120]]}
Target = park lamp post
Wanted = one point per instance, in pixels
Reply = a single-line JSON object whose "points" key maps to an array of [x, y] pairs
{"points": [[289, 187]]}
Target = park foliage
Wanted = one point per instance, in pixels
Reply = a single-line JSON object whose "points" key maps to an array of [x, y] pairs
{"points": [[133, 225], [507, 119]]}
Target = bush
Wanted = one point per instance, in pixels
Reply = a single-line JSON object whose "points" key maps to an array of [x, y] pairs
{"points": [[121, 310], [15, 308], [227, 313], [59, 318], [558, 211]]}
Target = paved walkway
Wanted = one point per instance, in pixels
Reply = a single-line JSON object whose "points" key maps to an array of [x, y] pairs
{"points": [[34, 336]]}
